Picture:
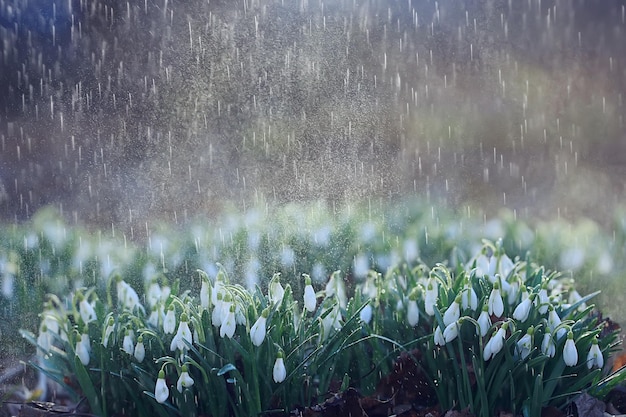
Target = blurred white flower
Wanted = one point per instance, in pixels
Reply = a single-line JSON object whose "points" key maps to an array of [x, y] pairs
{"points": [[575, 297], [366, 313], [336, 287], [161, 393], [594, 357], [276, 290], [484, 321], [543, 301], [108, 330], [430, 298], [140, 350], [128, 345], [413, 313], [184, 380], [87, 311], [83, 349], [451, 331], [127, 296], [554, 321], [453, 312], [438, 336], [570, 353], [257, 332], [205, 294], [183, 334], [525, 344], [279, 373], [228, 325], [310, 301], [495, 303], [169, 323], [332, 320], [469, 299], [547, 345], [153, 294]]}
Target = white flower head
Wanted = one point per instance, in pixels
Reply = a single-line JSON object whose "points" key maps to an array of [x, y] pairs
{"points": [[453, 312], [366, 313], [257, 332], [484, 322], [205, 294], [153, 296], [128, 345], [336, 287], [276, 290], [570, 353], [184, 380], [169, 323], [86, 310], [522, 311], [140, 350], [554, 322], [496, 305], [543, 301], [438, 336], [83, 349], [161, 392], [525, 344], [495, 344], [431, 296], [279, 373], [182, 335], [594, 357], [451, 331], [228, 325], [108, 331], [547, 345], [310, 300], [469, 299]]}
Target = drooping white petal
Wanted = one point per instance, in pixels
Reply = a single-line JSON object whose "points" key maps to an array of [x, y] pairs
{"points": [[452, 314], [366, 313], [228, 325], [257, 332], [279, 373], [413, 313], [522, 310], [451, 332], [570, 353], [140, 351], [594, 357], [169, 323], [547, 345], [184, 380], [484, 323], [161, 392], [310, 301], [496, 305], [127, 344]]}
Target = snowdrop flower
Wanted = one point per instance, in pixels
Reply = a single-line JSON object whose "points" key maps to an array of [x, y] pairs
{"points": [[543, 301], [413, 313], [108, 330], [154, 293], [228, 325], [169, 323], [547, 345], [430, 298], [86, 310], [331, 320], [505, 265], [140, 350], [279, 372], [161, 393], [127, 344], [451, 331], [184, 380], [216, 315], [525, 344], [575, 297], [570, 354], [153, 318], [484, 321], [514, 289], [554, 321], [83, 348], [594, 357], [257, 332], [486, 266], [366, 313], [127, 296], [183, 334], [469, 299], [205, 294], [496, 305], [495, 344], [335, 286], [276, 290], [453, 312], [309, 295], [439, 339], [522, 311]]}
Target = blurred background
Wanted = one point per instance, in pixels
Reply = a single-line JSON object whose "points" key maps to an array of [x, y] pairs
{"points": [[129, 119]]}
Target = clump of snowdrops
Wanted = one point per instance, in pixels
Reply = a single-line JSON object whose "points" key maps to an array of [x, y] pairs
{"points": [[494, 334]]}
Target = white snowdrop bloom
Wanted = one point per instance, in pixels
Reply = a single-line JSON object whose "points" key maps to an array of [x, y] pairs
{"points": [[228, 324], [495, 303], [366, 313], [547, 345], [495, 344], [87, 311], [128, 345], [140, 350], [522, 311], [83, 349], [216, 314], [469, 299], [505, 265], [513, 292], [542, 301], [438, 336], [205, 294], [153, 318], [184, 380], [331, 321], [276, 290], [310, 301], [525, 344], [484, 322], [108, 331], [451, 331], [279, 373], [453, 312], [169, 323], [594, 357], [431, 295], [575, 297], [336, 287], [128, 296], [218, 289], [554, 321], [161, 392], [482, 266], [412, 313], [183, 334], [153, 295], [570, 353], [258, 330]]}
